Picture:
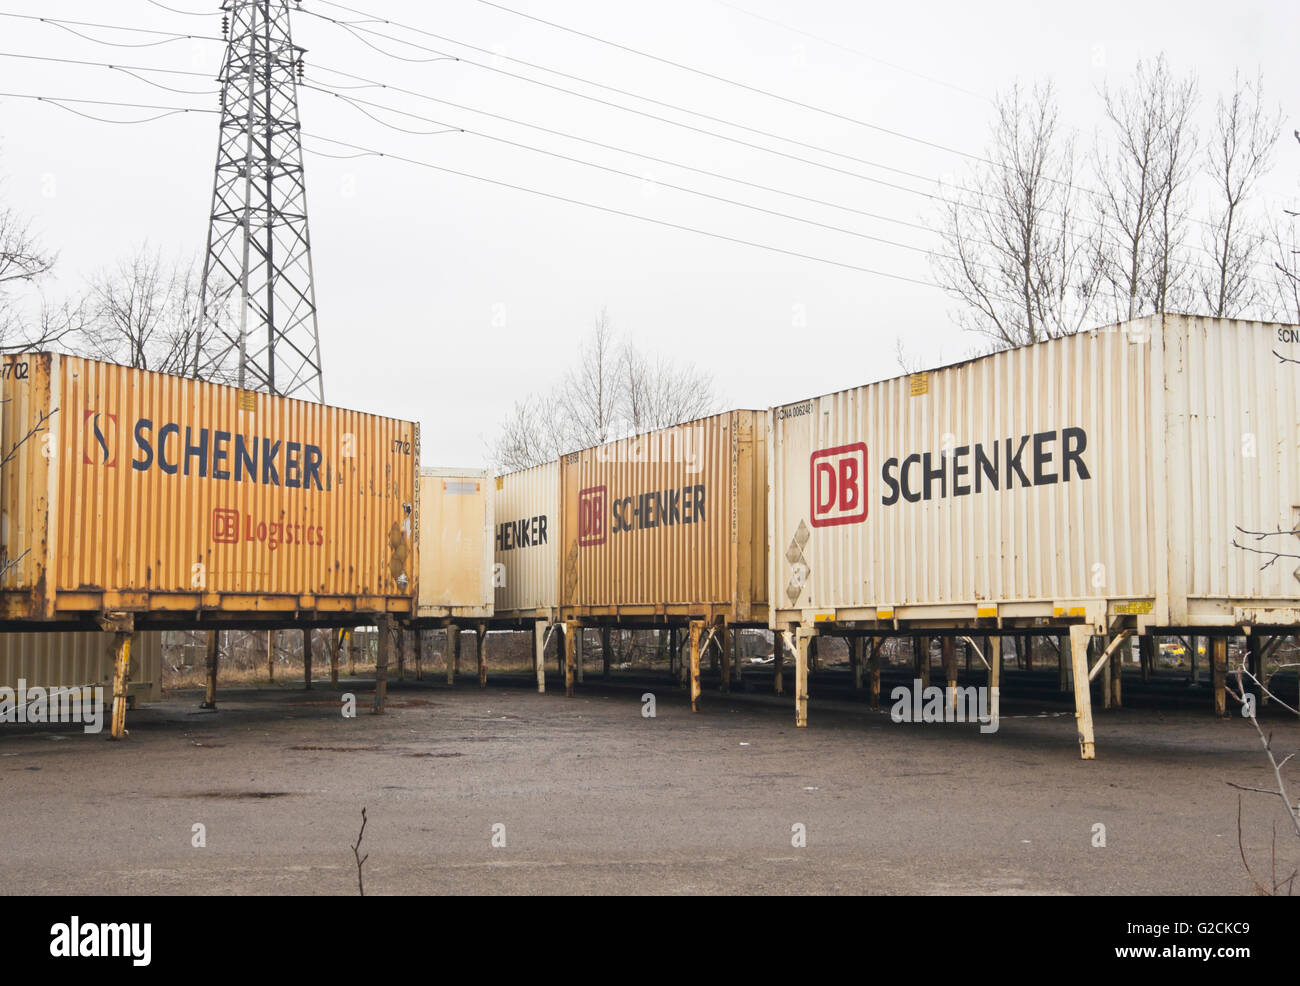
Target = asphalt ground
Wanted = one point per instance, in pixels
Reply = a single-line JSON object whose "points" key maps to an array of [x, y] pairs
{"points": [[505, 791]]}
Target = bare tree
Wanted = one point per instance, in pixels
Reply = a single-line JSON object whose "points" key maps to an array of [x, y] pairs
{"points": [[535, 431], [659, 392], [1168, 284], [25, 263], [143, 313], [1240, 153], [1141, 185], [1014, 254], [592, 392], [1286, 263], [615, 390]]}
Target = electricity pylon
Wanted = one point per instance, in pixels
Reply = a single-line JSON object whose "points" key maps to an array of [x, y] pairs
{"points": [[257, 322]]}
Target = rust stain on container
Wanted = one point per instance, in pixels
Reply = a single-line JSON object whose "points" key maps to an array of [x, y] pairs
{"points": [[669, 523], [130, 490]]}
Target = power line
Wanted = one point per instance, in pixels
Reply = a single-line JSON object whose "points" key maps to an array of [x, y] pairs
{"points": [[354, 30], [705, 74], [443, 56], [369, 83], [354, 27], [363, 151], [358, 103], [855, 51], [112, 65], [174, 10], [701, 72], [63, 24], [621, 150], [130, 70], [60, 100], [619, 212]]}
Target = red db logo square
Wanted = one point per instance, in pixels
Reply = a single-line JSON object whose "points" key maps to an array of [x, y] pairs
{"points": [[225, 525], [591, 516], [838, 485]]}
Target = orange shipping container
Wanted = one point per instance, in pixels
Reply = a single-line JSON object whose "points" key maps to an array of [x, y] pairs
{"points": [[128, 490], [668, 524]]}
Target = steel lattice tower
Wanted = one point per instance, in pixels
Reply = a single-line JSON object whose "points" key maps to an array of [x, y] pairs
{"points": [[257, 326]]}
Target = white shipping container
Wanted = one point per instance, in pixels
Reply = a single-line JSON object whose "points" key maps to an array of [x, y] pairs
{"points": [[525, 543], [1101, 475], [455, 540]]}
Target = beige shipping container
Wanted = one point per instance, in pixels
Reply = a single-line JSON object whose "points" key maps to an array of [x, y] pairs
{"points": [[128, 490], [1148, 471], [73, 659], [525, 543], [669, 524], [455, 538]]}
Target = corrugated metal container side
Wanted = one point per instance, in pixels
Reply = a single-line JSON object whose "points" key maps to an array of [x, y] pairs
{"points": [[139, 491], [670, 523], [525, 543], [1101, 473], [455, 538], [70, 659]]}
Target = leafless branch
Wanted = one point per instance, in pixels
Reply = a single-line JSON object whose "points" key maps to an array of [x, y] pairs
{"points": [[34, 430], [13, 564], [356, 853]]}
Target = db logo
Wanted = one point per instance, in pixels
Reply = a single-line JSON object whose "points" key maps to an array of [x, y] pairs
{"points": [[591, 516], [837, 481]]}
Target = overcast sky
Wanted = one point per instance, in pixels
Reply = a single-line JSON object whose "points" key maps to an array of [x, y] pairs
{"points": [[443, 299]]}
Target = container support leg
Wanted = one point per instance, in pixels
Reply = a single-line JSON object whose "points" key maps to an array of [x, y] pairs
{"points": [[384, 633], [734, 639], [1219, 675], [1080, 639], [480, 632], [993, 653], [214, 656], [855, 662], [306, 659], [605, 652], [874, 666], [121, 675], [577, 651], [1255, 665], [452, 655], [803, 642], [779, 638], [539, 655], [1117, 675], [572, 636], [696, 629], [724, 650]]}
